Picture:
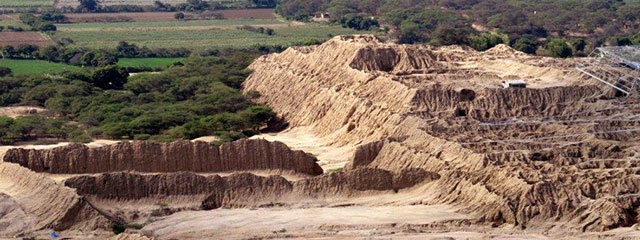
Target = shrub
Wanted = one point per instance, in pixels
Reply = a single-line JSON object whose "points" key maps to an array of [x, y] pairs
{"points": [[559, 48], [5, 71], [525, 45]]}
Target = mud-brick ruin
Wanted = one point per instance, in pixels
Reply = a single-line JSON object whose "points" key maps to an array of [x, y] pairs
{"points": [[386, 126]]}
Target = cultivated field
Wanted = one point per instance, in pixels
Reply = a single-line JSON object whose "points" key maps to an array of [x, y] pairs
{"points": [[18, 38], [35, 67], [196, 34], [26, 3], [74, 3], [167, 16]]}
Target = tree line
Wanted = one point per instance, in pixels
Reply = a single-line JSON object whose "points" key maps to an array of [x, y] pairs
{"points": [[81, 56], [557, 28]]}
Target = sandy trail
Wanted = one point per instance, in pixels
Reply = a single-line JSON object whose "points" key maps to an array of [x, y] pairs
{"points": [[302, 138], [20, 111], [244, 223]]}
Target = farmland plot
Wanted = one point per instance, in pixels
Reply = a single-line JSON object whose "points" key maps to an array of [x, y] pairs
{"points": [[74, 3], [196, 34], [18, 38], [26, 3]]}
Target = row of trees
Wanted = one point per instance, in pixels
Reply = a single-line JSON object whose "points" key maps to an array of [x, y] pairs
{"points": [[85, 56], [198, 97], [26, 128]]}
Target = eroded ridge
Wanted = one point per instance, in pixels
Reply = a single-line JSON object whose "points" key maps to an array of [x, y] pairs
{"points": [[562, 151], [166, 157]]}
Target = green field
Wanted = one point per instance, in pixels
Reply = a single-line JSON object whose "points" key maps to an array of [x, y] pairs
{"points": [[208, 34], [35, 67], [15, 24], [123, 26], [162, 63], [26, 3]]}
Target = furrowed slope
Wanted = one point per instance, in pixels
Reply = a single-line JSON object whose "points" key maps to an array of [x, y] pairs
{"points": [[531, 157]]}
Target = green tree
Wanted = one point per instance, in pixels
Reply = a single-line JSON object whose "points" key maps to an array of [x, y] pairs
{"points": [[485, 41], [525, 45], [5, 71], [559, 48], [179, 16], [110, 77], [89, 5]]}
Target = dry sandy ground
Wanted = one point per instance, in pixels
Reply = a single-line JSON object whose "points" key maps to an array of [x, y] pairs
{"points": [[282, 222], [301, 138]]}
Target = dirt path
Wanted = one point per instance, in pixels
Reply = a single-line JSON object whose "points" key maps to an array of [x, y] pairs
{"points": [[282, 222]]}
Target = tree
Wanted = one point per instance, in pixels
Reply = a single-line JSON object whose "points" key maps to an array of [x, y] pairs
{"points": [[8, 52], [110, 77], [127, 50], [99, 58], [578, 44], [485, 41], [559, 48], [50, 53], [358, 22], [256, 116], [525, 45], [44, 26], [89, 5], [26, 51], [5, 71], [179, 16]]}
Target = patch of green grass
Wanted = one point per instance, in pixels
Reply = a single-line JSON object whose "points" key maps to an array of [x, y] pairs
{"points": [[14, 23], [155, 63], [26, 3], [36, 67], [213, 34]]}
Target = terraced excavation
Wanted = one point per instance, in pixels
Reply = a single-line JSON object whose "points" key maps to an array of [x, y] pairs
{"points": [[381, 141]]}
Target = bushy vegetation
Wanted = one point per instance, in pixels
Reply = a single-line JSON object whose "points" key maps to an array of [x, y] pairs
{"points": [[28, 128], [527, 25], [42, 23], [147, 64], [199, 97], [262, 30], [81, 56]]}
